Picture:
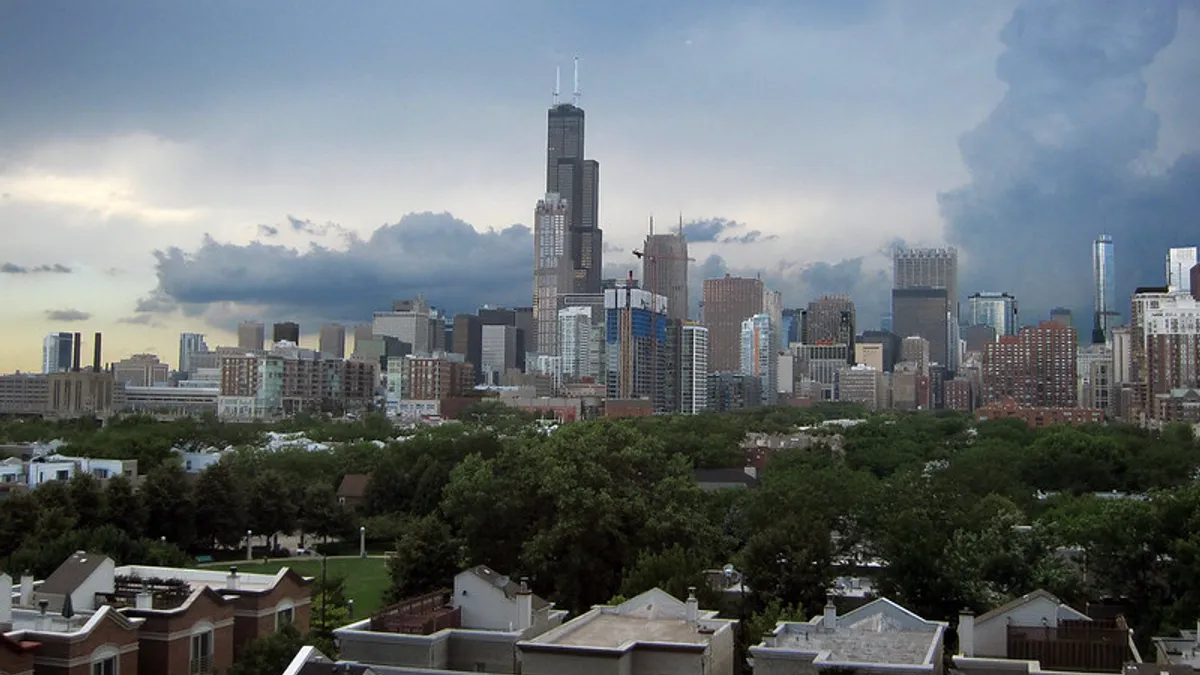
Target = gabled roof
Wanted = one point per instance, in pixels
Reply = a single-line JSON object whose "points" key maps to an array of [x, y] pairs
{"points": [[72, 573], [1039, 594], [354, 485], [509, 587]]}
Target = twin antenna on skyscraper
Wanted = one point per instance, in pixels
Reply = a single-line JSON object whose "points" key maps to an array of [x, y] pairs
{"points": [[557, 77]]}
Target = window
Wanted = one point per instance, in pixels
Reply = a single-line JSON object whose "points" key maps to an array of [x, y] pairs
{"points": [[202, 653], [107, 666], [63, 475], [284, 617]]}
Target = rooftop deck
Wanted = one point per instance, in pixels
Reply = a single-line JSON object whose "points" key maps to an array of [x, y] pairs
{"points": [[877, 638], [216, 579], [614, 631]]}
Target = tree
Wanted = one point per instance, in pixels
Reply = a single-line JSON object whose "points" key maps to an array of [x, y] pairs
{"points": [[170, 505], [87, 500], [674, 570], [123, 506], [269, 655], [271, 508], [221, 513], [426, 559], [319, 513]]}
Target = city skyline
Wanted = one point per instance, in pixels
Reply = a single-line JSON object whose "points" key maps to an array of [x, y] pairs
{"points": [[166, 154]]}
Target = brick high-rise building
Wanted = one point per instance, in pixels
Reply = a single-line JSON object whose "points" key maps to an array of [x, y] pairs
{"points": [[1171, 329], [1036, 368], [829, 320], [665, 270], [729, 301]]}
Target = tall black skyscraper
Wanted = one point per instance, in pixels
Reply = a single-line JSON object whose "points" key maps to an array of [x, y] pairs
{"points": [[577, 180]]}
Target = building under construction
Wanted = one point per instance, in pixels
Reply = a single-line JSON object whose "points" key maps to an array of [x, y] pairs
{"points": [[638, 354]]}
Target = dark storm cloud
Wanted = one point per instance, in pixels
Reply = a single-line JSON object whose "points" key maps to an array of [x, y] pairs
{"points": [[1065, 155], [12, 268], [456, 267], [67, 315], [720, 231], [751, 237]]}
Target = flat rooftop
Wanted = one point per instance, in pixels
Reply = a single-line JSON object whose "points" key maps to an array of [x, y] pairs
{"points": [[26, 619], [613, 631], [876, 639], [216, 579], [1183, 650]]}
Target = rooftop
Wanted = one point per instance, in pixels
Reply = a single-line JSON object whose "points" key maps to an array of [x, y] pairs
{"points": [[613, 631], [215, 579], [1183, 650], [876, 639]]}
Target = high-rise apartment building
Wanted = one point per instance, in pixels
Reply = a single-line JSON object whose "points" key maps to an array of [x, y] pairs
{"points": [[1171, 334], [286, 331], [497, 351], [636, 351], [998, 310], [468, 340], [409, 321], [758, 357], [790, 330], [1180, 262], [189, 345], [553, 271], [141, 370], [1195, 281], [251, 335], [1062, 315], [729, 301], [577, 182], [915, 350], [1104, 289], [925, 299], [693, 369], [1036, 368], [665, 270], [57, 349], [829, 320], [332, 340], [581, 344]]}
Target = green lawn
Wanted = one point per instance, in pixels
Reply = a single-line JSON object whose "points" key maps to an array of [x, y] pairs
{"points": [[366, 579]]}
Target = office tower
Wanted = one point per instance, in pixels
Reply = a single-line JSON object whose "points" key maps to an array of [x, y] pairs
{"points": [[890, 343], [1062, 315], [467, 339], [190, 344], [1195, 281], [553, 272], [915, 350], [581, 343], [1171, 328], [979, 337], [665, 270], [636, 346], [1036, 368], [693, 369], [1094, 370], [758, 357], [251, 335], [925, 299], [141, 370], [790, 329], [998, 310], [332, 340], [497, 351], [829, 320], [577, 181], [286, 331], [861, 384], [728, 302], [56, 352], [1104, 289], [733, 391], [1180, 262], [407, 322]]}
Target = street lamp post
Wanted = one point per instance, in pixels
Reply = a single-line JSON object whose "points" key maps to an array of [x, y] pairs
{"points": [[324, 590], [249, 546], [362, 542]]}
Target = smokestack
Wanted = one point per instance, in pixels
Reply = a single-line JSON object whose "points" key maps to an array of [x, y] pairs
{"points": [[830, 618], [78, 345], [27, 590], [692, 607], [524, 606], [231, 582], [96, 355]]}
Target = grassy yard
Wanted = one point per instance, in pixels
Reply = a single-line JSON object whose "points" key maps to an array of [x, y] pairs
{"points": [[366, 579]]}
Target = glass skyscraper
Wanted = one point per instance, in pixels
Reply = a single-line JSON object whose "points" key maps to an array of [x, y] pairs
{"points": [[998, 310], [1104, 289], [577, 181]]}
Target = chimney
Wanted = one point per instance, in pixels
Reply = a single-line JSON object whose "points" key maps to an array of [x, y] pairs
{"points": [[231, 582], [6, 588], [144, 600], [96, 354], [966, 633], [692, 606], [78, 346], [27, 590], [524, 606], [43, 620], [830, 621]]}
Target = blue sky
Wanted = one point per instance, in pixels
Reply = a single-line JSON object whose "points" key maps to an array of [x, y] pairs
{"points": [[194, 164]]}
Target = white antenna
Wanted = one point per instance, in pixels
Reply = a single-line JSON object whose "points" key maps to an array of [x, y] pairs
{"points": [[557, 77], [575, 95]]}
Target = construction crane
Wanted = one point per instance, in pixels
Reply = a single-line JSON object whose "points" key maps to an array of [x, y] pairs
{"points": [[654, 257]]}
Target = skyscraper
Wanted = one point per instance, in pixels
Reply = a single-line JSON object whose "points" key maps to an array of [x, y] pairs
{"points": [[925, 299], [580, 343], [693, 369], [1036, 367], [332, 340], [577, 181], [729, 301], [553, 271], [829, 320], [56, 352], [251, 335], [288, 331], [1104, 289], [635, 321], [189, 344], [665, 270], [1180, 262], [758, 358], [998, 310]]}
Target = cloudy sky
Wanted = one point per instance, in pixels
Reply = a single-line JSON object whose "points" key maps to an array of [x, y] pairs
{"points": [[182, 166]]}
